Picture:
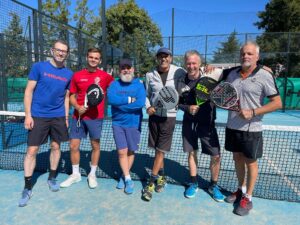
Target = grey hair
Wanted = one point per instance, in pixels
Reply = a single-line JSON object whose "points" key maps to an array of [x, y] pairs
{"points": [[191, 52], [251, 43]]}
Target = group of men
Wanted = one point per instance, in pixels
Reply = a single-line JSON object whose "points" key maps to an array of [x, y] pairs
{"points": [[52, 87]]}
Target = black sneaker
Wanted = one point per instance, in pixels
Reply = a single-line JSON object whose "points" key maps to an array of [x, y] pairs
{"points": [[235, 197], [244, 207]]}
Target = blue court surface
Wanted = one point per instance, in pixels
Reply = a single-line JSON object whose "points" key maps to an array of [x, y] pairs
{"points": [[107, 205]]}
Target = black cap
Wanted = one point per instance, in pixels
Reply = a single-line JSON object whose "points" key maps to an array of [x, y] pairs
{"points": [[125, 62], [164, 51]]}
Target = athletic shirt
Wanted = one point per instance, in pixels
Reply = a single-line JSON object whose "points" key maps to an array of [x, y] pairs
{"points": [[251, 92], [163, 77], [206, 114], [49, 94], [79, 85]]}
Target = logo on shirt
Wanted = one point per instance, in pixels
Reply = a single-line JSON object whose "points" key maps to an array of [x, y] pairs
{"points": [[55, 77], [97, 80]]}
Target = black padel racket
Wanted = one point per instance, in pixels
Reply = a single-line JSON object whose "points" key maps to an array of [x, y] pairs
{"points": [[203, 88], [225, 96], [167, 98], [93, 97]]}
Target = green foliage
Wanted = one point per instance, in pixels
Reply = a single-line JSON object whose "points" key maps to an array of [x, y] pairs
{"points": [[85, 19], [281, 16], [229, 50], [131, 29], [58, 9], [15, 48]]}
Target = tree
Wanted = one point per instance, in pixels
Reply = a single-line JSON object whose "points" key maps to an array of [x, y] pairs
{"points": [[131, 29], [15, 46], [281, 16], [229, 50], [85, 19], [58, 9]]}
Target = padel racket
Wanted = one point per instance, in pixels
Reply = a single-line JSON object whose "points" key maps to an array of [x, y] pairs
{"points": [[203, 88], [93, 97], [167, 98], [225, 96]]}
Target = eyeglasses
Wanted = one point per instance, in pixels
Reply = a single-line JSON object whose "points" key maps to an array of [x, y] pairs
{"points": [[60, 51]]}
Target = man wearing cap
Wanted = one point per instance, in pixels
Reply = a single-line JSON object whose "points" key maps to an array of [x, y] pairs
{"points": [[127, 97], [86, 119], [161, 121]]}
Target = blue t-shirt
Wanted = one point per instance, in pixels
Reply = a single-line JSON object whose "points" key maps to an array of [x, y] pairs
{"points": [[49, 93]]}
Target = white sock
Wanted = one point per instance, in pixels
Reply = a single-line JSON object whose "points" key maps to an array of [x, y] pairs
{"points": [[128, 177], [243, 188], [249, 197], [75, 169], [93, 170]]}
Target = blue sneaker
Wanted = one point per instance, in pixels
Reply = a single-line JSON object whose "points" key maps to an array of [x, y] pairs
{"points": [[214, 190], [191, 191], [26, 195], [121, 183], [129, 186], [53, 185]]}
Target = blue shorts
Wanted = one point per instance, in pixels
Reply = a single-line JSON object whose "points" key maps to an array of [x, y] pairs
{"points": [[127, 138], [93, 127]]}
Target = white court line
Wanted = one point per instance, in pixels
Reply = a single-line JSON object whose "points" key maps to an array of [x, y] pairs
{"points": [[285, 178]]}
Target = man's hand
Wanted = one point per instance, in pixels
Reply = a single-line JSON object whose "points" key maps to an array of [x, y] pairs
{"points": [[28, 123], [193, 109], [81, 110], [151, 110], [246, 114]]}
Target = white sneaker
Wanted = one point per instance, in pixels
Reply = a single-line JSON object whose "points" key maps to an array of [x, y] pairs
{"points": [[72, 179], [92, 181]]}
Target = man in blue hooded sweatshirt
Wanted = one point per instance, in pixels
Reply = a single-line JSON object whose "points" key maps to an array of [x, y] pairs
{"points": [[127, 97]]}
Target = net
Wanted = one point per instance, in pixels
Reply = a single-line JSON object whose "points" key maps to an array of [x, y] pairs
{"points": [[279, 169]]}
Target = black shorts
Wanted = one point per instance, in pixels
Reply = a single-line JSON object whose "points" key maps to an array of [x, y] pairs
{"points": [[55, 128], [249, 143], [208, 135], [161, 131]]}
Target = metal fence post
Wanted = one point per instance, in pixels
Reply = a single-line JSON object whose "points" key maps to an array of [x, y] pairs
{"points": [[35, 36]]}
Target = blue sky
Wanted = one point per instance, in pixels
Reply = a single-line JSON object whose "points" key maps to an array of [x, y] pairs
{"points": [[195, 17]]}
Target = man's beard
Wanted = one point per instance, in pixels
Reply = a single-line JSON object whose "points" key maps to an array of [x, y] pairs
{"points": [[246, 64], [127, 78]]}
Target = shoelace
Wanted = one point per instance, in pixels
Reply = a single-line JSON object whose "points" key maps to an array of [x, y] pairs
{"points": [[244, 201]]}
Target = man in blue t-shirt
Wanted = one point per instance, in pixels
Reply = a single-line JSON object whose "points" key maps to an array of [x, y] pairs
{"points": [[127, 97], [46, 102]]}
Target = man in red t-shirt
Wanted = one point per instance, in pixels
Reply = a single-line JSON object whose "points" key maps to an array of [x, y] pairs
{"points": [[86, 119]]}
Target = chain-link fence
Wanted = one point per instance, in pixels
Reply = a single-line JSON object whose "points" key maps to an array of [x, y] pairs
{"points": [[279, 51], [26, 36]]}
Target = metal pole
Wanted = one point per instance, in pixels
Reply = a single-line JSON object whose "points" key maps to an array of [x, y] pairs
{"points": [[40, 24], [104, 53], [172, 48]]}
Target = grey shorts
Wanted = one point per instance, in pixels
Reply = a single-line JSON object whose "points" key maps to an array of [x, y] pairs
{"points": [[161, 131], [248, 143], [55, 128], [192, 131]]}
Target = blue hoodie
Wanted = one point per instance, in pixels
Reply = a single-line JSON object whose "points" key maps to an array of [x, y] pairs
{"points": [[126, 114]]}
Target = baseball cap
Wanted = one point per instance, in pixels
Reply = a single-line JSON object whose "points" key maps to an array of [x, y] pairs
{"points": [[125, 62], [164, 51]]}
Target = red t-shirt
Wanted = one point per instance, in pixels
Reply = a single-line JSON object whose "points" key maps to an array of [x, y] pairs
{"points": [[80, 82]]}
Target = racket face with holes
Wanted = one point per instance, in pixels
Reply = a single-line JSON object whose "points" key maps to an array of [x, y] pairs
{"points": [[167, 98], [225, 96], [203, 88]]}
